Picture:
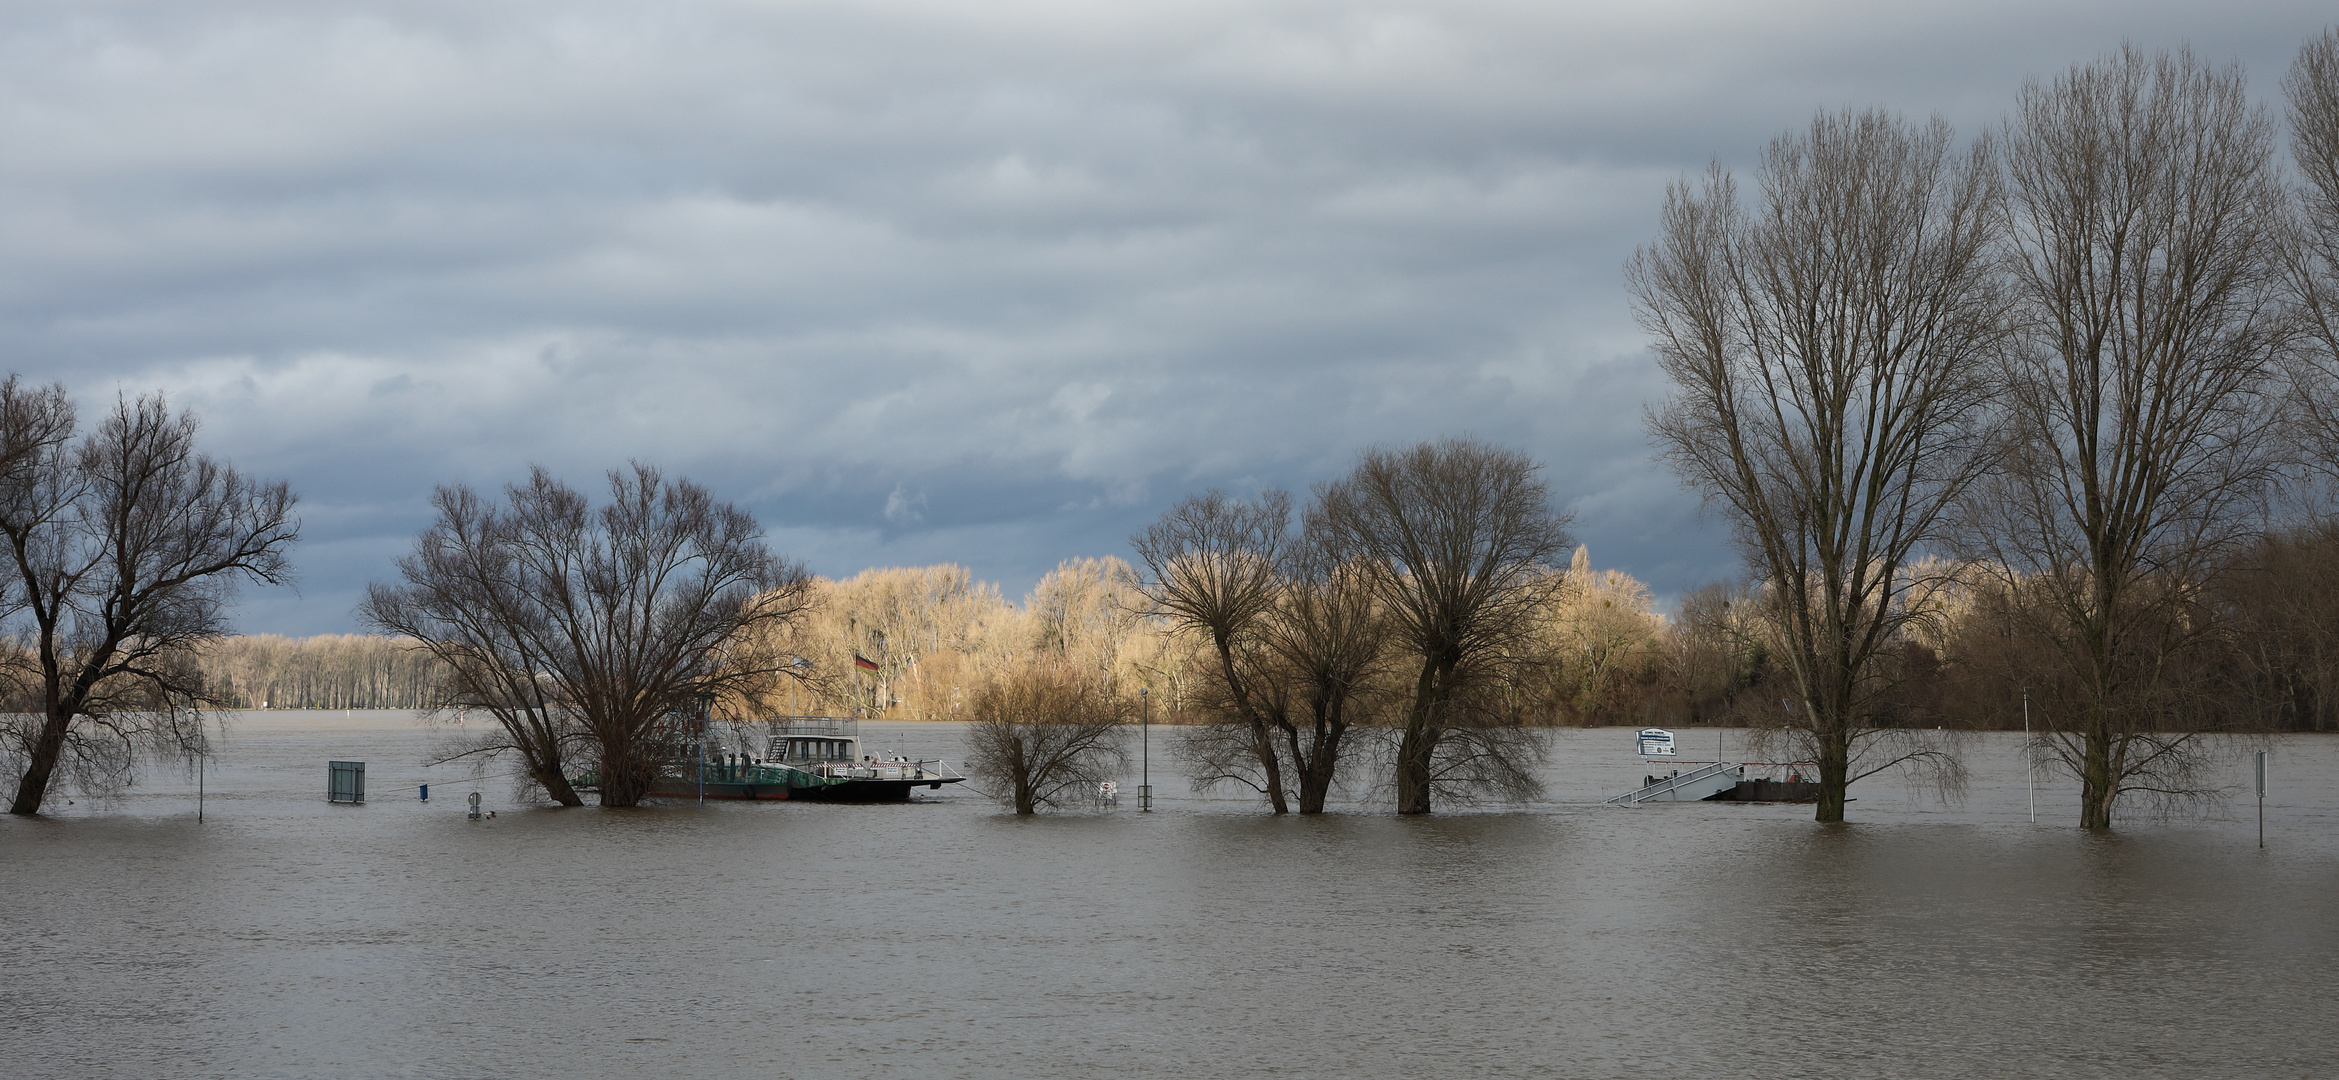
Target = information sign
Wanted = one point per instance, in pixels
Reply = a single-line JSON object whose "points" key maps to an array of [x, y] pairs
{"points": [[1656, 742]]}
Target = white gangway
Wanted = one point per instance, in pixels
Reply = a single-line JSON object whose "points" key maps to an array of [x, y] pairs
{"points": [[1695, 786]]}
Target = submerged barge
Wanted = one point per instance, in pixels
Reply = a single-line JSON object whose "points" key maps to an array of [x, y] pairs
{"points": [[1716, 781]]}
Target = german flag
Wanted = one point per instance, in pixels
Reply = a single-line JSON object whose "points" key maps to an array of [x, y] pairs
{"points": [[861, 661]]}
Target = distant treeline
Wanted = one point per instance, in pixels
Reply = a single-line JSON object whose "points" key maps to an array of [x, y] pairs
{"points": [[328, 671]]}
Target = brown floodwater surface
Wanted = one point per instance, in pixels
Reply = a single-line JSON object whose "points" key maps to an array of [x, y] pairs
{"points": [[285, 937]]}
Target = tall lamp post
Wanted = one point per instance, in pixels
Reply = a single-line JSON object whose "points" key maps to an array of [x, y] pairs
{"points": [[2030, 758], [1145, 751]]}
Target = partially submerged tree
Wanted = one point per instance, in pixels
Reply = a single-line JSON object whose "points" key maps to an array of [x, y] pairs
{"points": [[1459, 541], [1213, 566], [2147, 230], [1327, 650], [1043, 732], [1312, 670], [1828, 353], [124, 549], [580, 629]]}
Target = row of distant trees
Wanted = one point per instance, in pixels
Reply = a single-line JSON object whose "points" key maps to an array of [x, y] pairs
{"points": [[327, 671], [1599, 652]]}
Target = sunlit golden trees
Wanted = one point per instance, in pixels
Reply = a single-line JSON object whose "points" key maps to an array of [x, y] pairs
{"points": [[1605, 634]]}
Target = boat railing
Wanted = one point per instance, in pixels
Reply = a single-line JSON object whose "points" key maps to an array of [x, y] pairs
{"points": [[927, 770], [832, 727], [1699, 783]]}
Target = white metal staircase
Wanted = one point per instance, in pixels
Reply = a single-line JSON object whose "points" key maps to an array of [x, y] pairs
{"points": [[1702, 784]]}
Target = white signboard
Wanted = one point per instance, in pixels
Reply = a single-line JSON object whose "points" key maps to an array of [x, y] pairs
{"points": [[1108, 789], [1656, 742]]}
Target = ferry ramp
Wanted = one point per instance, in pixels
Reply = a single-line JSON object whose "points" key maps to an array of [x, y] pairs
{"points": [[1694, 786]]}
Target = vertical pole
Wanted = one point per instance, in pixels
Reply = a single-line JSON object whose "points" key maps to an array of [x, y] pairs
{"points": [[202, 758], [1145, 751], [2261, 798], [2030, 760], [702, 755]]}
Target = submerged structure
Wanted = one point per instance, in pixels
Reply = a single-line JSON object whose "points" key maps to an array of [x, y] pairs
{"points": [[1714, 781]]}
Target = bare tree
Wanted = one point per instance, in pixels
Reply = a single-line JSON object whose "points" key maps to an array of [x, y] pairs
{"points": [[1460, 542], [1042, 732], [1316, 672], [2146, 230], [2313, 88], [579, 629], [1828, 359], [1212, 561], [1327, 643], [125, 548]]}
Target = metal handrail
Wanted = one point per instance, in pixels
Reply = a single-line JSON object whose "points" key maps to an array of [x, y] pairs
{"points": [[1670, 783], [830, 726]]}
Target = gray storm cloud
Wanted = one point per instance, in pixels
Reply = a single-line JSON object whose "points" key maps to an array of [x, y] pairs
{"points": [[918, 282]]}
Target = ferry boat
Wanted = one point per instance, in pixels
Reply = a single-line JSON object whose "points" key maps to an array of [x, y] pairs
{"points": [[805, 757]]}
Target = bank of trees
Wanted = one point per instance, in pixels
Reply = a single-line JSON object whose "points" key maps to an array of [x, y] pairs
{"points": [[326, 671], [2019, 413]]}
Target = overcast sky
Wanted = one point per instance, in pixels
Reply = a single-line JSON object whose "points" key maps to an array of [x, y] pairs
{"points": [[988, 283]]}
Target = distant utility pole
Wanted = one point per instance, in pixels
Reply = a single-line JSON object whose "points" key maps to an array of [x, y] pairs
{"points": [[2030, 759]]}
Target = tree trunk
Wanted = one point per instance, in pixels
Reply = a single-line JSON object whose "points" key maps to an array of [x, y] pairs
{"points": [[2098, 785], [1270, 766], [625, 777], [558, 787], [1316, 771], [1835, 776], [1314, 785], [1414, 761], [33, 788], [1262, 736], [1417, 753]]}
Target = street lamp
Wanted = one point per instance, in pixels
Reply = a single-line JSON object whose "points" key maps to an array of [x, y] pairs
{"points": [[2030, 758]]}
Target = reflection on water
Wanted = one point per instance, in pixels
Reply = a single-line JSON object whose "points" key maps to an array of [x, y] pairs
{"points": [[286, 937]]}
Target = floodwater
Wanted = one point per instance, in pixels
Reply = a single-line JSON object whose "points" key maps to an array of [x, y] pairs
{"points": [[284, 937]]}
